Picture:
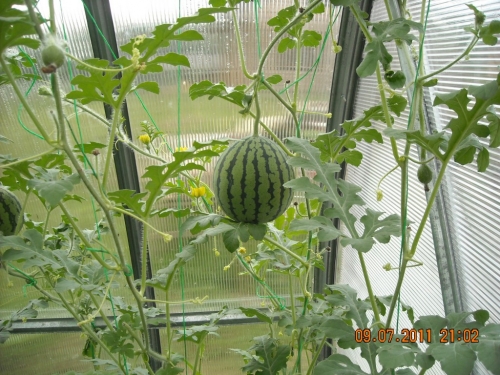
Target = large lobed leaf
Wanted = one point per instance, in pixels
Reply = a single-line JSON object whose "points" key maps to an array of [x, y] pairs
{"points": [[342, 195]]}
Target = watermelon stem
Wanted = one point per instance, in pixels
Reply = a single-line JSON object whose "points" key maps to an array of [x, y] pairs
{"points": [[286, 250]]}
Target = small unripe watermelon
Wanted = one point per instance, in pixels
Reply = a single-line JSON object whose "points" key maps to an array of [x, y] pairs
{"points": [[10, 212], [249, 178], [424, 174]]}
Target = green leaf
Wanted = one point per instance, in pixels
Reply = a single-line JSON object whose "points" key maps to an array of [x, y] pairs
{"points": [[381, 230], [352, 157], [487, 33], [431, 83], [405, 371], [434, 323], [286, 43], [338, 364], [171, 58], [15, 25], [344, 3], [483, 160], [272, 357], [396, 80], [148, 86], [310, 38], [283, 18], [257, 231], [396, 354], [52, 188], [216, 3], [231, 240], [257, 313], [30, 252], [332, 144], [455, 358], [130, 200], [318, 9], [344, 295], [235, 95], [87, 148], [462, 144], [386, 31], [488, 347], [97, 86], [327, 229], [196, 224], [336, 328], [188, 36], [63, 285], [274, 79], [425, 361]]}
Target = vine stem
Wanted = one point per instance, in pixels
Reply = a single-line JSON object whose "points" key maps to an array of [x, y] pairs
{"points": [[472, 44], [103, 315], [109, 154], [369, 288], [240, 46], [140, 343], [273, 136], [411, 253], [257, 112], [290, 108], [111, 70], [289, 252], [91, 333], [20, 223], [316, 355], [298, 62], [82, 237]]}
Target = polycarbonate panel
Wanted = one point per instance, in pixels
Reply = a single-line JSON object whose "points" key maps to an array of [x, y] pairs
{"points": [[16, 125], [184, 121], [474, 196], [421, 288], [43, 354], [218, 357]]}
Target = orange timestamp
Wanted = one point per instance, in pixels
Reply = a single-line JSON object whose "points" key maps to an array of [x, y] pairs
{"points": [[412, 335]]}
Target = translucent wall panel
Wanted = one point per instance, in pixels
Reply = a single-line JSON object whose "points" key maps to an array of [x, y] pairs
{"points": [[474, 196], [43, 354], [16, 125], [474, 222], [184, 121]]}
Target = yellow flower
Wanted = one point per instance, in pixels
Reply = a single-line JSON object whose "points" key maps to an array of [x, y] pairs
{"points": [[248, 258], [227, 267], [167, 237], [216, 252], [242, 251], [145, 139], [180, 149], [198, 192]]}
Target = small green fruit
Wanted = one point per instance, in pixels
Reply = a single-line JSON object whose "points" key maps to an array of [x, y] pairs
{"points": [[53, 55], [424, 174]]}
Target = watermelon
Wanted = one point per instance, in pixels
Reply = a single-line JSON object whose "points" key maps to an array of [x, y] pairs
{"points": [[10, 212], [248, 180]]}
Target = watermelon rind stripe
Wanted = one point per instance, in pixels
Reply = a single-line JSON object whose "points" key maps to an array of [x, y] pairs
{"points": [[249, 180], [10, 211]]}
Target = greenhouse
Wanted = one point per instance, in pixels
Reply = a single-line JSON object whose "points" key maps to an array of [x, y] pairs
{"points": [[212, 187]]}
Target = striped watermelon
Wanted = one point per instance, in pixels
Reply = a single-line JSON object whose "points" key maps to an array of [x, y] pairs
{"points": [[249, 178], [10, 212]]}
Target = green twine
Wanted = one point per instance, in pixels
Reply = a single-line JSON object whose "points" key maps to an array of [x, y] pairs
{"points": [[405, 221], [256, 4], [30, 281]]}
